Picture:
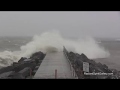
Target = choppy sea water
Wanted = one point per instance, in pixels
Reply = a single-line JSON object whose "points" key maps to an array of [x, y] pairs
{"points": [[113, 46], [113, 61], [13, 43]]}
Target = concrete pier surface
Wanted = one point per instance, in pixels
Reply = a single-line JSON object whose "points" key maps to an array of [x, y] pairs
{"points": [[54, 62]]}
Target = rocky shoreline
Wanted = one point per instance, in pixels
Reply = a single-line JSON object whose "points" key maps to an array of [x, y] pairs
{"points": [[77, 63], [25, 68]]}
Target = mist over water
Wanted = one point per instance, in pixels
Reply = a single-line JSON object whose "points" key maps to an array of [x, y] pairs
{"points": [[53, 41]]}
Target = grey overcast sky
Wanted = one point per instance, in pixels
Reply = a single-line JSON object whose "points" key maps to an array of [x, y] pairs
{"points": [[74, 24]]}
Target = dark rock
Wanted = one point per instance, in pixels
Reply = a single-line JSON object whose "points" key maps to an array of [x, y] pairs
{"points": [[22, 59], [16, 76], [84, 58], [23, 68], [25, 72], [37, 55], [99, 64], [77, 61], [6, 69], [105, 66], [15, 63], [37, 61], [92, 62], [27, 60], [25, 64], [5, 74]]}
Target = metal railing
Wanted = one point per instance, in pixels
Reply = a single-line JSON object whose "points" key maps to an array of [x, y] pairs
{"points": [[71, 66]]}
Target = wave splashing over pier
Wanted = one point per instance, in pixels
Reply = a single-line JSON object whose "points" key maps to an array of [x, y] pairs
{"points": [[53, 42]]}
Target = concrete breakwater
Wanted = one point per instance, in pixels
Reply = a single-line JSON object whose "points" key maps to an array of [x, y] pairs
{"points": [[25, 68]]}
